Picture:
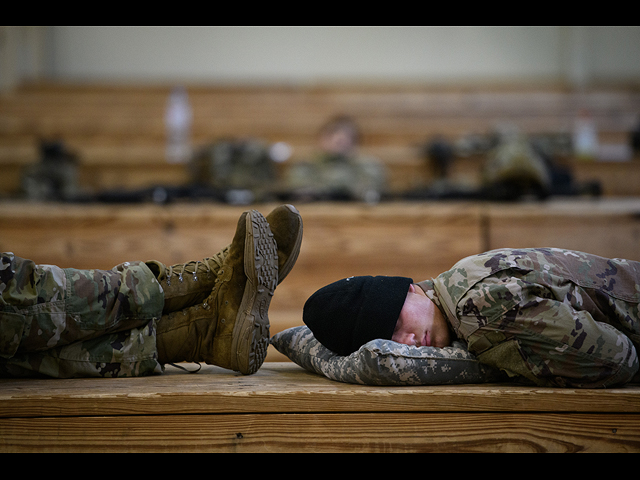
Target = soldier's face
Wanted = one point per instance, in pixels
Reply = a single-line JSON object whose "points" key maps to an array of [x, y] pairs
{"points": [[421, 323], [340, 141]]}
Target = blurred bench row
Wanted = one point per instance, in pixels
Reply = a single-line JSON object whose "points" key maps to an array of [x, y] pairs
{"points": [[119, 133]]}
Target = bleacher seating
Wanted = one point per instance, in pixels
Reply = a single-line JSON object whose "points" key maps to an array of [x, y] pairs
{"points": [[118, 131]]}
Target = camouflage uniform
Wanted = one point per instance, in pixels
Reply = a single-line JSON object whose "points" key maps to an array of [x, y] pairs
{"points": [[78, 323], [338, 177], [551, 316], [514, 169]]}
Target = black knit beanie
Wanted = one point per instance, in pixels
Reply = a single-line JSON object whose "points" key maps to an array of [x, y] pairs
{"points": [[346, 314]]}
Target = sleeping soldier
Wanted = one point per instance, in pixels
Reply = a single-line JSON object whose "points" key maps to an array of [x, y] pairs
{"points": [[544, 316]]}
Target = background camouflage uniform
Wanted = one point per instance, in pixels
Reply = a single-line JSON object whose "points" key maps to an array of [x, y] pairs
{"points": [[338, 177], [77, 323], [555, 317]]}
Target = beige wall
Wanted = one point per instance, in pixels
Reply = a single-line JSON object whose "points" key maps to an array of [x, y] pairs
{"points": [[578, 55]]}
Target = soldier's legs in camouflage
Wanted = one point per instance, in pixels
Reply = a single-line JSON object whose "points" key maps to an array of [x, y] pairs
{"points": [[68, 322], [44, 308], [130, 353]]}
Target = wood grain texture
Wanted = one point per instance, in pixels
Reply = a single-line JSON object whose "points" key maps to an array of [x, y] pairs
{"points": [[283, 408], [607, 228], [331, 433], [285, 387]]}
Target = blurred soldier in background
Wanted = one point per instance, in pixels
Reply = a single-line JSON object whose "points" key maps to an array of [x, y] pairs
{"points": [[243, 171], [338, 172]]}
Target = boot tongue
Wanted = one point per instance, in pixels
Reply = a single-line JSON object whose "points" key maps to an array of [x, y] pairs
{"points": [[157, 269]]}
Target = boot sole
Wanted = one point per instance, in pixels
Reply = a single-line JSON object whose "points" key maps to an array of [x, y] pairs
{"points": [[293, 256], [251, 330]]}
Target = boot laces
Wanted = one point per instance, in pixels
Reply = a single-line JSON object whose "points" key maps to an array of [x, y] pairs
{"points": [[180, 270], [185, 369]]}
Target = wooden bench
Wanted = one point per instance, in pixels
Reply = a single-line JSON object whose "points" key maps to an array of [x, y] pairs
{"points": [[118, 131], [283, 408]]}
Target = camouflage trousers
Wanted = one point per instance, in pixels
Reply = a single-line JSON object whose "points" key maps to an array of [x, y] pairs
{"points": [[66, 323]]}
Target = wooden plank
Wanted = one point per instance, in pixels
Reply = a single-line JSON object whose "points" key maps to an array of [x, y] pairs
{"points": [[344, 236], [617, 179], [285, 388], [610, 229], [101, 236], [333, 433]]}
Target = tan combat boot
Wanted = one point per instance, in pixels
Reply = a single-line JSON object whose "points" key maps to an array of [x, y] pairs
{"points": [[286, 224], [231, 328]]}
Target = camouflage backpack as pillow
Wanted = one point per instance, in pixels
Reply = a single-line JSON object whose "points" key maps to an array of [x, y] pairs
{"points": [[384, 362]]}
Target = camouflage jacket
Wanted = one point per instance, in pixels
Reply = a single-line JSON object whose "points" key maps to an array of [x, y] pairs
{"points": [[555, 317]]}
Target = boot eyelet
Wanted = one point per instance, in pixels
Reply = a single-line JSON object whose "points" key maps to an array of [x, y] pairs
{"points": [[222, 321]]}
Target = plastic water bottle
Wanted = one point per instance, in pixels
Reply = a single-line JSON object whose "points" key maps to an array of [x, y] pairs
{"points": [[178, 119]]}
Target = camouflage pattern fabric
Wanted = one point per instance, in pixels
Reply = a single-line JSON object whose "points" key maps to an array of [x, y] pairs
{"points": [[339, 177], [76, 323], [236, 165], [555, 317], [384, 362], [514, 160]]}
